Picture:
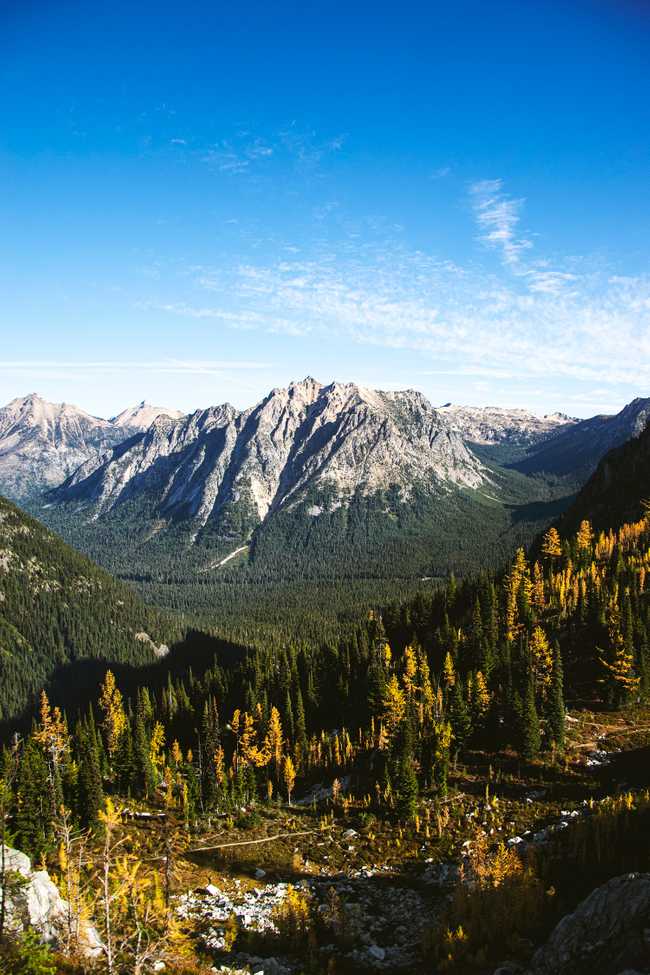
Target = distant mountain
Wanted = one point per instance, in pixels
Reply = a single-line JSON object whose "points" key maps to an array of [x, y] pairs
{"points": [[42, 443], [577, 449], [497, 425], [224, 468], [57, 608], [142, 416]]}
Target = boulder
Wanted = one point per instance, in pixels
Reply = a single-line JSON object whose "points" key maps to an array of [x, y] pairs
{"points": [[34, 901], [606, 934]]}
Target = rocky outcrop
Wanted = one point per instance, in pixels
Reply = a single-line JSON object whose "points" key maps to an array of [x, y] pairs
{"points": [[606, 934], [33, 900]]}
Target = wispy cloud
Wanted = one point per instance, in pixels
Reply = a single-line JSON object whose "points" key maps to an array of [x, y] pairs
{"points": [[245, 153], [48, 368], [468, 321], [498, 218], [527, 322]]}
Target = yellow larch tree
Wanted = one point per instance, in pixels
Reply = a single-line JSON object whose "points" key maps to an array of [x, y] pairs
{"points": [[410, 671], [585, 536], [552, 545], [541, 657], [394, 706], [114, 720], [289, 776], [448, 672], [52, 731], [274, 742], [156, 747]]}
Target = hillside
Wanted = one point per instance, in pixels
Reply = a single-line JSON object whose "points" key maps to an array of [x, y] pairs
{"points": [[578, 448], [57, 608], [617, 490]]}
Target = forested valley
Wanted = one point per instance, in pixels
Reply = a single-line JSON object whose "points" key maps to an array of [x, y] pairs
{"points": [[451, 745]]}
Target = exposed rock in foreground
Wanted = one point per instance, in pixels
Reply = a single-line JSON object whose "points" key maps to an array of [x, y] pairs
{"points": [[606, 934], [34, 901]]}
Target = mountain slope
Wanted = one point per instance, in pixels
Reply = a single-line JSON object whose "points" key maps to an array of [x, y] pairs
{"points": [[41, 443], [56, 607], [576, 450], [314, 494], [616, 491]]}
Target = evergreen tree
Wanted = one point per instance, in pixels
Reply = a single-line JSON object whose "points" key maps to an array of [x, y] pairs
{"points": [[33, 801], [555, 712], [406, 786], [459, 716], [531, 736], [90, 791]]}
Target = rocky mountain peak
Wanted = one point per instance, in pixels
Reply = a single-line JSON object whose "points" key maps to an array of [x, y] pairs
{"points": [[142, 416], [341, 438]]}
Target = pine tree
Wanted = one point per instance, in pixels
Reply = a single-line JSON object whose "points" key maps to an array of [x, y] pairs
{"points": [[144, 775], [459, 717], [531, 736], [555, 712], [442, 739], [407, 786], [33, 801], [90, 791]]}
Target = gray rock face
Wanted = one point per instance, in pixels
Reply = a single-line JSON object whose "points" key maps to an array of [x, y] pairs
{"points": [[33, 900], [607, 933], [42, 443], [497, 425], [337, 439]]}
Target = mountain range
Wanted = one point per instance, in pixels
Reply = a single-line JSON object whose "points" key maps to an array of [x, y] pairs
{"points": [[42, 443], [314, 483]]}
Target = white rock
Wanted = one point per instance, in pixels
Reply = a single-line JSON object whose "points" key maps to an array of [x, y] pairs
{"points": [[376, 952], [37, 903]]}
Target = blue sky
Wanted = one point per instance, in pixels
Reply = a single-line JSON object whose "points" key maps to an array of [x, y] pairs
{"points": [[201, 201]]}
